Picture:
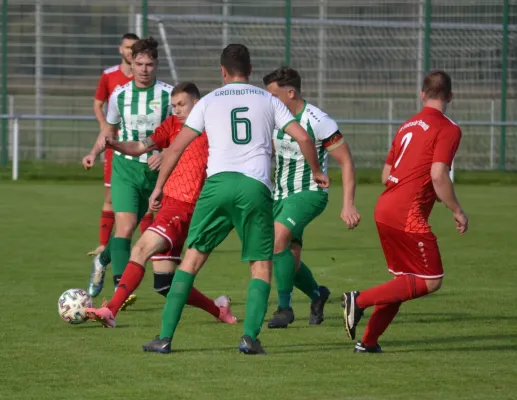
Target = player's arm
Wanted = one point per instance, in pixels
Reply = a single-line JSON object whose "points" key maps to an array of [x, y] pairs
{"points": [[386, 171], [339, 150], [135, 149], [158, 140], [101, 96], [446, 146], [295, 130]]}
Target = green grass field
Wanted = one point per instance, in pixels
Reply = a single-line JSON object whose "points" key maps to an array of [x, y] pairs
{"points": [[460, 343]]}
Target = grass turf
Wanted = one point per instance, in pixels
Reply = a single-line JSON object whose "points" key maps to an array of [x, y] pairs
{"points": [[459, 343]]}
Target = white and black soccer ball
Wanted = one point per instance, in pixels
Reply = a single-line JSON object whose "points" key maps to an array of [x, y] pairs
{"points": [[72, 305]]}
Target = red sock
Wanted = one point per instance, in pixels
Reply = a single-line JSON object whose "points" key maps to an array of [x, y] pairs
{"points": [[199, 300], [130, 280], [379, 321], [106, 225], [146, 222], [398, 290]]}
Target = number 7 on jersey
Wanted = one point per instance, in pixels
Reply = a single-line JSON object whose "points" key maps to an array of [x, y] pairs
{"points": [[404, 143]]}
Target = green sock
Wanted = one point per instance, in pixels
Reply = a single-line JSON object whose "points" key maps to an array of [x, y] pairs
{"points": [[176, 300], [284, 268], [304, 281], [105, 257], [256, 307], [120, 252]]}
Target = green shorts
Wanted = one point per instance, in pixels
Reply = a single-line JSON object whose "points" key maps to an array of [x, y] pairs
{"points": [[132, 183], [298, 210], [232, 200]]}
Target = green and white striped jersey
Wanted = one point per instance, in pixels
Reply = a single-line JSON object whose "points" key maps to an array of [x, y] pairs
{"points": [[138, 112], [292, 173]]}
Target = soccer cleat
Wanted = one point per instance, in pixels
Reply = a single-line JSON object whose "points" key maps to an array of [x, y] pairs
{"points": [[129, 302], [97, 251], [316, 316], [361, 348], [225, 315], [223, 301], [281, 318], [102, 315], [352, 313], [158, 345], [250, 346], [97, 277]]}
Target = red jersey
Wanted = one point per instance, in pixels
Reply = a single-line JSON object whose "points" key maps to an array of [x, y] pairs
{"points": [[409, 197], [186, 181], [110, 79]]}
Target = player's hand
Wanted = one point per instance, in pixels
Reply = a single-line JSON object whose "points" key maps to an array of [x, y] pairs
{"points": [[321, 179], [462, 222], [350, 216], [88, 161], [155, 201], [155, 161]]}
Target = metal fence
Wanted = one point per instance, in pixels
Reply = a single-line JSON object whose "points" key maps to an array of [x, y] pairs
{"points": [[359, 59]]}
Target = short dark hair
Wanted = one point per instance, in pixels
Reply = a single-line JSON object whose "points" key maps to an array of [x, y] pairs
{"points": [[186, 87], [284, 76], [130, 36], [437, 85], [235, 58], [147, 46]]}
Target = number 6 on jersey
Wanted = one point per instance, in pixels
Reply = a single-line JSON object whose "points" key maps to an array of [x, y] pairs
{"points": [[235, 126]]}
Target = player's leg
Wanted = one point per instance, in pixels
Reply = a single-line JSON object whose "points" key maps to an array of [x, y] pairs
{"points": [[292, 215], [107, 215], [210, 225], [252, 216], [415, 261], [146, 221], [284, 268], [304, 281], [150, 243], [172, 224]]}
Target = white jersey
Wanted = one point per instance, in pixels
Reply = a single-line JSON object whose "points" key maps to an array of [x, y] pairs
{"points": [[293, 174], [138, 112], [239, 120]]}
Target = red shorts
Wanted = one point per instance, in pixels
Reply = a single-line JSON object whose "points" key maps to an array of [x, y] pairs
{"points": [[172, 223], [410, 253], [108, 158]]}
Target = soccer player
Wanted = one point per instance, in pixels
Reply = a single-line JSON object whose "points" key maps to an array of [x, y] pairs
{"points": [[169, 230], [139, 107], [298, 200], [239, 120], [111, 79], [416, 174]]}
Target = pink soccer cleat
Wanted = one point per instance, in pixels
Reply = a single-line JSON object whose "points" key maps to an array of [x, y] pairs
{"points": [[102, 315]]}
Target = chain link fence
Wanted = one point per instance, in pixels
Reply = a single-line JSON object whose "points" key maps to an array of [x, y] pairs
{"points": [[359, 59]]}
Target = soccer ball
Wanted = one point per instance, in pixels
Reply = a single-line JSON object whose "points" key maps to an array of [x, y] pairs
{"points": [[72, 306]]}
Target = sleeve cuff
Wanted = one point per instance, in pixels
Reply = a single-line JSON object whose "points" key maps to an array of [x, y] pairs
{"points": [[113, 123], [286, 125], [195, 130]]}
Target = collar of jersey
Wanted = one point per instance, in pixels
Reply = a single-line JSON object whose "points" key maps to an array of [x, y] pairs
{"points": [[136, 88], [299, 115], [237, 83], [431, 110]]}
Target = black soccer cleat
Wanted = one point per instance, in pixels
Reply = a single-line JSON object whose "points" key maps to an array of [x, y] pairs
{"points": [[158, 345], [250, 346], [316, 316], [361, 348], [281, 318], [352, 312]]}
